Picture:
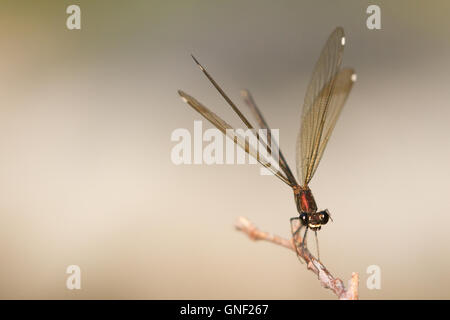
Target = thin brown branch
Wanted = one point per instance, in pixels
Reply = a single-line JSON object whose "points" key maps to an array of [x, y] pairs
{"points": [[326, 279]]}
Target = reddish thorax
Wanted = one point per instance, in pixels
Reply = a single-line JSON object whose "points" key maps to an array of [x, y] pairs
{"points": [[304, 199]]}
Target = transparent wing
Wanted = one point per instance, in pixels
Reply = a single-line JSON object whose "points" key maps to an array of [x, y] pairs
{"points": [[226, 129], [324, 119], [324, 99], [266, 143], [262, 123]]}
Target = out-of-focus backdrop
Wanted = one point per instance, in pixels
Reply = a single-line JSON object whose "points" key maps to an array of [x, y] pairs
{"points": [[86, 176]]}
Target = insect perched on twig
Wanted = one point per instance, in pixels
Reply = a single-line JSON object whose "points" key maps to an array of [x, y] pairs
{"points": [[325, 97]]}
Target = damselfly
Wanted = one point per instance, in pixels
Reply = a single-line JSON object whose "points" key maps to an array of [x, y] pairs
{"points": [[325, 97]]}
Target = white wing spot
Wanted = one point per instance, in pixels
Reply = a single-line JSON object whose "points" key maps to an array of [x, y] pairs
{"points": [[343, 41], [184, 99], [354, 77]]}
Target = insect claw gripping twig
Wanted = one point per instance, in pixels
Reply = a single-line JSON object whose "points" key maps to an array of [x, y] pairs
{"points": [[326, 279]]}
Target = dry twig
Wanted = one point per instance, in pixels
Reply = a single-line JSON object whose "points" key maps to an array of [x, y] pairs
{"points": [[326, 279]]}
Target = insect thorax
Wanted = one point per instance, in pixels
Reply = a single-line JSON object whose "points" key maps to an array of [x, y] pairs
{"points": [[304, 200]]}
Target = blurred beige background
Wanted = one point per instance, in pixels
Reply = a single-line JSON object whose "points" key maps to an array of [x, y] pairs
{"points": [[85, 170]]}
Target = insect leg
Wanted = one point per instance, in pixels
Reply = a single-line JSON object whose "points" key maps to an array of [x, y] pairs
{"points": [[295, 232], [317, 245], [304, 239]]}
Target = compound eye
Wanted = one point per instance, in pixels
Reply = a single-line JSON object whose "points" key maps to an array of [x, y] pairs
{"points": [[304, 218], [324, 216]]}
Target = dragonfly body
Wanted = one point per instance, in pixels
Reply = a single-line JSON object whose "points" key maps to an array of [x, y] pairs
{"points": [[324, 100], [307, 209]]}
